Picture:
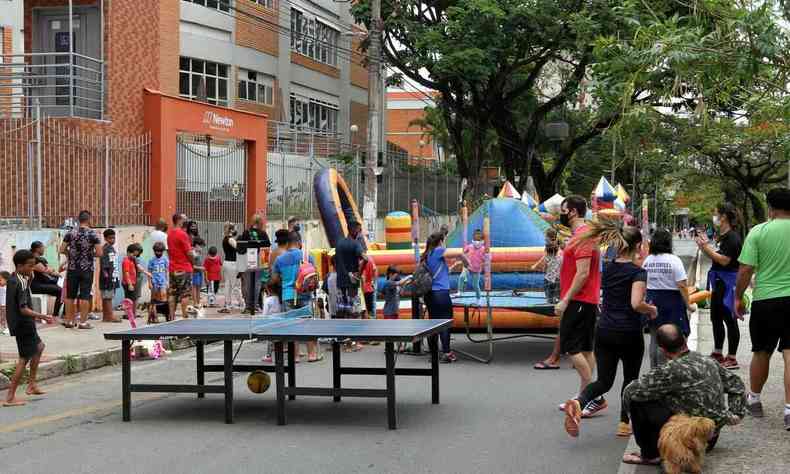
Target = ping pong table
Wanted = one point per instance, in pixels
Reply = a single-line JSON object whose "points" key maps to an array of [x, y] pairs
{"points": [[282, 331], [532, 301]]}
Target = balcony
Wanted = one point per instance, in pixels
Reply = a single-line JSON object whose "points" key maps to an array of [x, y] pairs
{"points": [[64, 84]]}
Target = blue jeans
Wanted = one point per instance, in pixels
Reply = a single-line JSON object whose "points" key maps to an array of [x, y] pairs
{"points": [[440, 306], [475, 281]]}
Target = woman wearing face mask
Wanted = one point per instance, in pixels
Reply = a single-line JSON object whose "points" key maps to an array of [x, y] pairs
{"points": [[229, 271], [721, 282]]}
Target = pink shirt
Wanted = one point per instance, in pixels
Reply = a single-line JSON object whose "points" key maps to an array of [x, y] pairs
{"points": [[475, 253]]}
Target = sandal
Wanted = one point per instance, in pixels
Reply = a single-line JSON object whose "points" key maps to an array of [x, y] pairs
{"points": [[542, 365], [85, 326], [635, 458], [317, 359]]}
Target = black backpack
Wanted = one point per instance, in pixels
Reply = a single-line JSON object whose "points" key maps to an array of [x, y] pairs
{"points": [[422, 280]]}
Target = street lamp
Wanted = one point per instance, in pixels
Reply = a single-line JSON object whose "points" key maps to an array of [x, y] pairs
{"points": [[556, 132]]}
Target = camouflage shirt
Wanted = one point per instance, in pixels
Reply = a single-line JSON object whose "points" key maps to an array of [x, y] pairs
{"points": [[693, 384]]}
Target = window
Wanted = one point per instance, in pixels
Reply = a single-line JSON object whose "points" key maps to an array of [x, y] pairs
{"points": [[221, 5], [256, 87], [314, 39], [264, 3], [313, 113], [197, 74]]}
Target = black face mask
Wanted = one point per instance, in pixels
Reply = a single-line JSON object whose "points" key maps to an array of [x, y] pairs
{"points": [[297, 227], [565, 220]]}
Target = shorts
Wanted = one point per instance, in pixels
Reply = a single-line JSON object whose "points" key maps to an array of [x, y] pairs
{"points": [[370, 304], [180, 285], [577, 327], [348, 304], [128, 293], [769, 326], [27, 343], [197, 279], [79, 284]]}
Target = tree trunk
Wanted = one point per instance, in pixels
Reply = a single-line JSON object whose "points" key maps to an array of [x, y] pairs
{"points": [[758, 211]]}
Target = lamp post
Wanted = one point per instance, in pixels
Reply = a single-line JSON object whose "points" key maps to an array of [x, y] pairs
{"points": [[556, 132]]}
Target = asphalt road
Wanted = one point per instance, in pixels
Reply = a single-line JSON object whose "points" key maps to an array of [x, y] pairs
{"points": [[492, 418]]}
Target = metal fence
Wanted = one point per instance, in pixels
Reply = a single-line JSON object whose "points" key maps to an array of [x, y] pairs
{"points": [[296, 155], [51, 171]]}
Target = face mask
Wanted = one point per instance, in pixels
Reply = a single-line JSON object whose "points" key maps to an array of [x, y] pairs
{"points": [[716, 221], [297, 227], [565, 220]]}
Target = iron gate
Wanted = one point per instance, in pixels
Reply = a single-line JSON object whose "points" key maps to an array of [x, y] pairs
{"points": [[211, 183]]}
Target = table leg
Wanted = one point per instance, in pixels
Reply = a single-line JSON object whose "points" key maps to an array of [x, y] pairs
{"points": [[126, 378], [292, 350], [228, 381], [433, 343], [390, 357], [336, 368], [416, 346], [280, 381], [201, 362]]}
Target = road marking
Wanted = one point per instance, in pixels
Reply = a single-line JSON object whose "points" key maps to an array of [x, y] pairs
{"points": [[43, 420]]}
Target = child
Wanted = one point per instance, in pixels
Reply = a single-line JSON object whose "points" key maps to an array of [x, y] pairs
{"points": [[22, 323], [271, 306], [109, 279], [4, 276], [129, 269], [158, 268], [473, 258], [198, 271], [213, 266], [330, 289], [370, 275], [391, 291], [550, 264]]}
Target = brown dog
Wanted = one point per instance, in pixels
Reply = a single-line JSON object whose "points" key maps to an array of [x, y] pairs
{"points": [[682, 443]]}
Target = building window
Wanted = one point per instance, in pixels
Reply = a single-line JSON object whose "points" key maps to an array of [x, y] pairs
{"points": [[221, 5], [256, 87], [203, 78], [313, 113], [314, 39], [264, 3]]}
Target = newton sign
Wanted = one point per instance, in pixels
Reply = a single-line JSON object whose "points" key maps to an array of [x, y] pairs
{"points": [[216, 121]]}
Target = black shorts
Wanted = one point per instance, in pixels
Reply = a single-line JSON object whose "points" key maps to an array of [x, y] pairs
{"points": [[769, 325], [79, 284], [128, 293], [27, 343], [577, 327]]}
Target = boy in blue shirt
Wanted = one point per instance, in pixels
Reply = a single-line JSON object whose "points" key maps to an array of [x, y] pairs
{"points": [[158, 268]]}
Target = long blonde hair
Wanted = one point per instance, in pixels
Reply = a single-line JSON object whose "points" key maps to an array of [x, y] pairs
{"points": [[612, 232]]}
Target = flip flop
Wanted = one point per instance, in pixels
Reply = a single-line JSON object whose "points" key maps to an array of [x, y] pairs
{"points": [[85, 326], [542, 365], [637, 459], [317, 359], [16, 403]]}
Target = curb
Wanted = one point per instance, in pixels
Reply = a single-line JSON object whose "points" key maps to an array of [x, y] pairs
{"points": [[74, 364]]}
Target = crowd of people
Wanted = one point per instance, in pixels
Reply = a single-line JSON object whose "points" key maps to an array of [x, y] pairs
{"points": [[604, 304]]}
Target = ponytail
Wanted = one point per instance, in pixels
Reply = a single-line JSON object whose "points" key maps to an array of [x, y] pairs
{"points": [[433, 241], [612, 232]]}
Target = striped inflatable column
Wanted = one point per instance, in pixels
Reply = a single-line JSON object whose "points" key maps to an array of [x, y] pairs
{"points": [[397, 227]]}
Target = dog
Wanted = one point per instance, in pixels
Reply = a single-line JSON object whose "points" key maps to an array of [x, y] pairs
{"points": [[682, 443]]}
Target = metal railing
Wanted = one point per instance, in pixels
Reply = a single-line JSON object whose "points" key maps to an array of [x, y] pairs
{"points": [[64, 84], [296, 155]]}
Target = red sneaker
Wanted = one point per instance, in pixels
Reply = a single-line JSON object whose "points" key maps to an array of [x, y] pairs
{"points": [[730, 363], [717, 357]]}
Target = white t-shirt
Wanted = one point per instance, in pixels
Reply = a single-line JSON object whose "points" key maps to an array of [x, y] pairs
{"points": [[2, 295], [664, 271], [271, 305]]}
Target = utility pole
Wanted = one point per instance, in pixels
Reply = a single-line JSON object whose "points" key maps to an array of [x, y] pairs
{"points": [[369, 211]]}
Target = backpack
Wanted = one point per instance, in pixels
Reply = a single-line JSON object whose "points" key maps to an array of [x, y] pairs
{"points": [[422, 280], [306, 278]]}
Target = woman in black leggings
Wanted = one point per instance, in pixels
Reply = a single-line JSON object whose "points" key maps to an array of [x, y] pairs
{"points": [[618, 335]]}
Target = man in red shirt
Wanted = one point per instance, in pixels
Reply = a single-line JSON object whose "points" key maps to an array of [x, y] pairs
{"points": [[179, 249], [580, 290]]}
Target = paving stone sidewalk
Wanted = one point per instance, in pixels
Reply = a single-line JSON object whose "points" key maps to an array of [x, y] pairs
{"points": [[756, 445]]}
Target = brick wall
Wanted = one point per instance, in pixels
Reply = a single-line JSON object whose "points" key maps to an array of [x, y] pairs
{"points": [[398, 123], [260, 34], [359, 117], [326, 69], [359, 73], [6, 38]]}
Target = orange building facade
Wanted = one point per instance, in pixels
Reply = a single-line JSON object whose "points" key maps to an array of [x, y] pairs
{"points": [[405, 110]]}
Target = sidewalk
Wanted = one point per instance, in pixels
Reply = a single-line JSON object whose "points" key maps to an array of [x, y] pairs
{"points": [[756, 445], [70, 351]]}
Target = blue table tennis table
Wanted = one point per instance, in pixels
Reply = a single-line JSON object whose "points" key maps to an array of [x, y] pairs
{"points": [[282, 331], [529, 301]]}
